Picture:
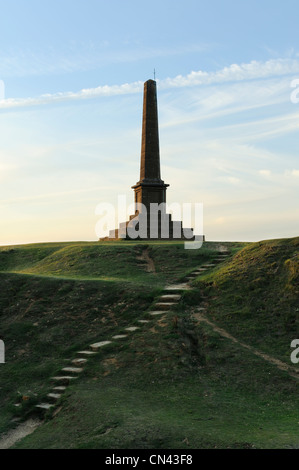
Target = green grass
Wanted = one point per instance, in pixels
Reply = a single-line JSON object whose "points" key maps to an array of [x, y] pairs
{"points": [[255, 295], [116, 261], [171, 384], [176, 396]]}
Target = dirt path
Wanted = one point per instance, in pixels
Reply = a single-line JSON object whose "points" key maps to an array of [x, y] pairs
{"points": [[222, 248], [19, 433], [292, 371], [150, 266]]}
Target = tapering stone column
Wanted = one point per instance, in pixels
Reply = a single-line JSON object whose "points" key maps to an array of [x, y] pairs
{"points": [[150, 148], [150, 188]]}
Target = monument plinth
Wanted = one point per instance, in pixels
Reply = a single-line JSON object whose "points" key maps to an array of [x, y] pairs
{"points": [[150, 191]]}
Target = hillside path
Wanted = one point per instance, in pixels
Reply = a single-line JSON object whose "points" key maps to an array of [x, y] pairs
{"points": [[292, 371], [150, 266], [15, 435]]}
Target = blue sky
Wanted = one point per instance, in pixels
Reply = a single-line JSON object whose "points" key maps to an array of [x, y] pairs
{"points": [[70, 123]]}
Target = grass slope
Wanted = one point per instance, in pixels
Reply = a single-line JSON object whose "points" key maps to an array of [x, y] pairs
{"points": [[117, 261], [170, 385], [256, 294]]}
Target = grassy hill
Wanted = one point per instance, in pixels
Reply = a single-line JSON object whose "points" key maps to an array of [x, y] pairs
{"points": [[256, 294], [172, 384], [118, 261]]}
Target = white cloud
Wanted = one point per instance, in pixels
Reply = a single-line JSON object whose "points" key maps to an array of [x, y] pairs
{"points": [[294, 173], [265, 173], [112, 90], [235, 73]]}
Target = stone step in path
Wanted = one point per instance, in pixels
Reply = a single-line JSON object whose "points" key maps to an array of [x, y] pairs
{"points": [[87, 353], [61, 388], [78, 362], [165, 305], [45, 406], [177, 287], [172, 295], [63, 379], [97, 346], [72, 370], [54, 396], [170, 298], [157, 313]]}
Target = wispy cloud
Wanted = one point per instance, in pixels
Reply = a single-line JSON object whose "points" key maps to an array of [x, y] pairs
{"points": [[106, 90], [235, 73], [78, 56]]}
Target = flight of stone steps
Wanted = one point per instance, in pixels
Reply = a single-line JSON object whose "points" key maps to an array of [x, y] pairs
{"points": [[167, 301]]}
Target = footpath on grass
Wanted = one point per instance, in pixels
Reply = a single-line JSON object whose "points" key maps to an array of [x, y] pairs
{"points": [[163, 305], [292, 371]]}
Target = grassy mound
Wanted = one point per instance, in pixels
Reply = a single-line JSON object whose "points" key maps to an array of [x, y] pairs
{"points": [[255, 295], [174, 383], [104, 261]]}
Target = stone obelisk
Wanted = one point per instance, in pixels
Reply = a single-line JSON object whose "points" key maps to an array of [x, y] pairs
{"points": [[150, 188]]}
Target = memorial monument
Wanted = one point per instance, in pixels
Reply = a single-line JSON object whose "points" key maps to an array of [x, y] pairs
{"points": [[150, 220]]}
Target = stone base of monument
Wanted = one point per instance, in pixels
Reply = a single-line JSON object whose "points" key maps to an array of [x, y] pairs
{"points": [[144, 228]]}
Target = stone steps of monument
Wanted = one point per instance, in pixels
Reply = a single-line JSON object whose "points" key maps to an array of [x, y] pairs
{"points": [[176, 231]]}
